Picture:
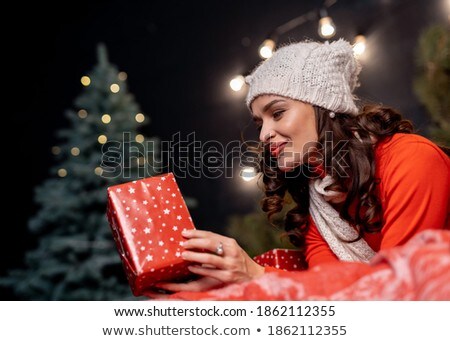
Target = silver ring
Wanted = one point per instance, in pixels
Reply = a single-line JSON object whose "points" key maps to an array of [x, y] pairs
{"points": [[219, 249]]}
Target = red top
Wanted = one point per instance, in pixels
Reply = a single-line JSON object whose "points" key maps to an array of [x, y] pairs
{"points": [[414, 190]]}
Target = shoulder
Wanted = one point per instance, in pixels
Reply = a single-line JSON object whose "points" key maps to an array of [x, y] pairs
{"points": [[409, 149]]}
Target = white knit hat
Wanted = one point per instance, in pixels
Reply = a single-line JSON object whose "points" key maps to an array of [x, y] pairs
{"points": [[322, 74]]}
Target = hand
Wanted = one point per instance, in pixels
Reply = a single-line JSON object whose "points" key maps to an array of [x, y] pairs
{"points": [[232, 266]]}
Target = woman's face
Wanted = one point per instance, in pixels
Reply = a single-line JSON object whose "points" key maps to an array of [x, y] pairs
{"points": [[289, 126]]}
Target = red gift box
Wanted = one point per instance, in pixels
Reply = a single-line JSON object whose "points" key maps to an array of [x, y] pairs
{"points": [[146, 218], [284, 259]]}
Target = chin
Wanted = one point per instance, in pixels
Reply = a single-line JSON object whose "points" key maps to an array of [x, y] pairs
{"points": [[286, 165]]}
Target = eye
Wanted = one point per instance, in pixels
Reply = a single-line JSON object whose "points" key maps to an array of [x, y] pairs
{"points": [[277, 114], [258, 123]]}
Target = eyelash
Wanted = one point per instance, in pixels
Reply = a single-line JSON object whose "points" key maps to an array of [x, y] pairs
{"points": [[276, 115]]}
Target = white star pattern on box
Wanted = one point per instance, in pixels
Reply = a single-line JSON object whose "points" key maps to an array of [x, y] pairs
{"points": [[151, 246]]}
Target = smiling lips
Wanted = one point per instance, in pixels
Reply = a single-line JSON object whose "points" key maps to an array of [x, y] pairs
{"points": [[276, 148]]}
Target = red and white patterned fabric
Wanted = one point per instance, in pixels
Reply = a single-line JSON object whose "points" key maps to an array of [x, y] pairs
{"points": [[146, 218], [418, 270]]}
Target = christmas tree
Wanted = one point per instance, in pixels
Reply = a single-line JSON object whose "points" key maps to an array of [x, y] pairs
{"points": [[76, 258], [432, 82]]}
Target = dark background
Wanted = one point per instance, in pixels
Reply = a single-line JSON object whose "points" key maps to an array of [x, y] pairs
{"points": [[179, 57]]}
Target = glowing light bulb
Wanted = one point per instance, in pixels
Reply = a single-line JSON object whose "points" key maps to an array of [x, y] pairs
{"points": [[359, 46], [139, 117], [102, 139], [237, 83], [122, 76], [56, 150], [82, 113], [85, 80], [266, 49], [115, 88], [62, 172], [75, 151], [139, 138], [98, 171], [248, 173], [106, 118], [327, 29]]}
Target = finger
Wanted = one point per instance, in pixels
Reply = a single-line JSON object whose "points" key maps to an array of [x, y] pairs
{"points": [[155, 294], [202, 243], [220, 275], [200, 234], [197, 285], [204, 258]]}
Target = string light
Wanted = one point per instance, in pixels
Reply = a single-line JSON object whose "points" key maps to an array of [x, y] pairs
{"points": [[248, 173], [56, 150], [85, 80], [267, 48], [327, 29], [122, 76], [62, 172], [140, 138], [139, 117], [359, 45], [237, 83], [82, 113], [102, 139], [98, 171], [106, 118], [115, 88], [75, 151]]}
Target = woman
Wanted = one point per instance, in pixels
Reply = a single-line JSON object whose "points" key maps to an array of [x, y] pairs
{"points": [[361, 181]]}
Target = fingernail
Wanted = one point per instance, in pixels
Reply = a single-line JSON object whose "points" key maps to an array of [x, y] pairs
{"points": [[184, 255], [186, 233]]}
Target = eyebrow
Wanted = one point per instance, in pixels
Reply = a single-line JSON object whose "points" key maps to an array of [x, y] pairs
{"points": [[268, 105]]}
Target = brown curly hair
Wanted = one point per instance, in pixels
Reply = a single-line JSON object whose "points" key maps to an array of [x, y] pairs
{"points": [[353, 171]]}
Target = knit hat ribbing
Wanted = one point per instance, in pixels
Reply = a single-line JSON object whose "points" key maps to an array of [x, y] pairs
{"points": [[322, 74]]}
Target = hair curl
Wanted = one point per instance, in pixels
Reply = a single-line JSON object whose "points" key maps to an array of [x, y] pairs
{"points": [[374, 124]]}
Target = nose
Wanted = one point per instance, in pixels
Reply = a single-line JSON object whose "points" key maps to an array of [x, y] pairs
{"points": [[266, 134]]}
